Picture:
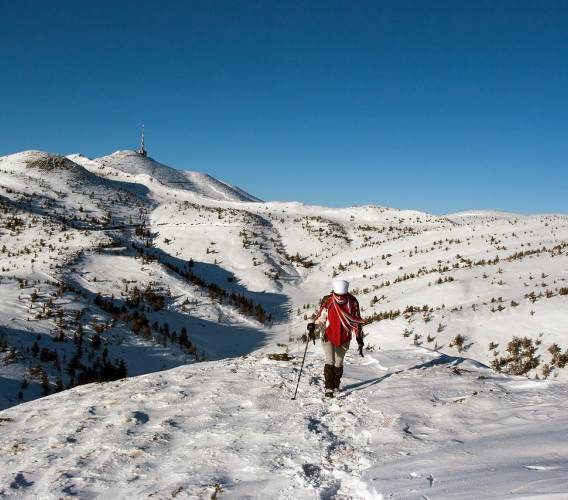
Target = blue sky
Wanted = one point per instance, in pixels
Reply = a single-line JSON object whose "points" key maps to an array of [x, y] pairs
{"points": [[438, 106]]}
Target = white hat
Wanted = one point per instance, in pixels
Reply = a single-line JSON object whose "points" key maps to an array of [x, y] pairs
{"points": [[340, 287]]}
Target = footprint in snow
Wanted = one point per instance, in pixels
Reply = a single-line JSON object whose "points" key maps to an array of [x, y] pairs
{"points": [[312, 473], [314, 425], [139, 417], [20, 481]]}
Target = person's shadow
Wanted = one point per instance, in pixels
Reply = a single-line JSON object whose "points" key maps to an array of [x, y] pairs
{"points": [[442, 359]]}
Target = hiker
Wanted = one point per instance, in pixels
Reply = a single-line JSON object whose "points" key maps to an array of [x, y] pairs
{"points": [[337, 320]]}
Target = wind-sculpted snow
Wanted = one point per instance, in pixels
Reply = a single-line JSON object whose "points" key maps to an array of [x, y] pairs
{"points": [[410, 424], [120, 265]]}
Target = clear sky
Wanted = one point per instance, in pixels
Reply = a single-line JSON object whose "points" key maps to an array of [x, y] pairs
{"points": [[438, 106]]}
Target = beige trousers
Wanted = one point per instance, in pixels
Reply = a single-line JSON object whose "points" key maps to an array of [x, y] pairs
{"points": [[334, 355]]}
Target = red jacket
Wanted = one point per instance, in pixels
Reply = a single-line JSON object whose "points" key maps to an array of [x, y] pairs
{"points": [[341, 316]]}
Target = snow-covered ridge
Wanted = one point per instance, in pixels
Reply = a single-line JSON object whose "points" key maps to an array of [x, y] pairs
{"points": [[42, 164], [483, 213], [133, 164], [411, 424]]}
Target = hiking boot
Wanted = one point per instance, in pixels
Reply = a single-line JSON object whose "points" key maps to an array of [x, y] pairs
{"points": [[329, 393], [337, 374], [329, 377]]}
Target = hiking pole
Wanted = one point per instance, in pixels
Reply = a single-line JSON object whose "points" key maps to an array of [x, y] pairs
{"points": [[301, 368]]}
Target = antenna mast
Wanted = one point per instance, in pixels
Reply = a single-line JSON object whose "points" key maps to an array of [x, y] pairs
{"points": [[142, 151]]}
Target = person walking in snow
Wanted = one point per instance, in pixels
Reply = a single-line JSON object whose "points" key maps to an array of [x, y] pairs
{"points": [[337, 320]]}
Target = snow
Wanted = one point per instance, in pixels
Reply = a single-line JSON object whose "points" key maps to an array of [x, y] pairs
{"points": [[418, 416], [131, 163], [232, 423]]}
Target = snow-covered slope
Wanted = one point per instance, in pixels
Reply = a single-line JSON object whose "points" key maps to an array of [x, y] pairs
{"points": [[135, 165], [122, 265], [410, 424]]}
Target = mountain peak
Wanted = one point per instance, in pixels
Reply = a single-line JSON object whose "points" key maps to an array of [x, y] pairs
{"points": [[133, 163]]}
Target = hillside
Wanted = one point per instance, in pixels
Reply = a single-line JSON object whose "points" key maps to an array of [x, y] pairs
{"points": [[136, 167], [411, 424], [123, 266]]}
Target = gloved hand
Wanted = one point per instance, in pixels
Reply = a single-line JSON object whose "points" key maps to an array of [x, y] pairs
{"points": [[311, 332], [361, 344]]}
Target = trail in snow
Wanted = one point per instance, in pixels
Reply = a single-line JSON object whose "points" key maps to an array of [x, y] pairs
{"points": [[415, 429]]}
